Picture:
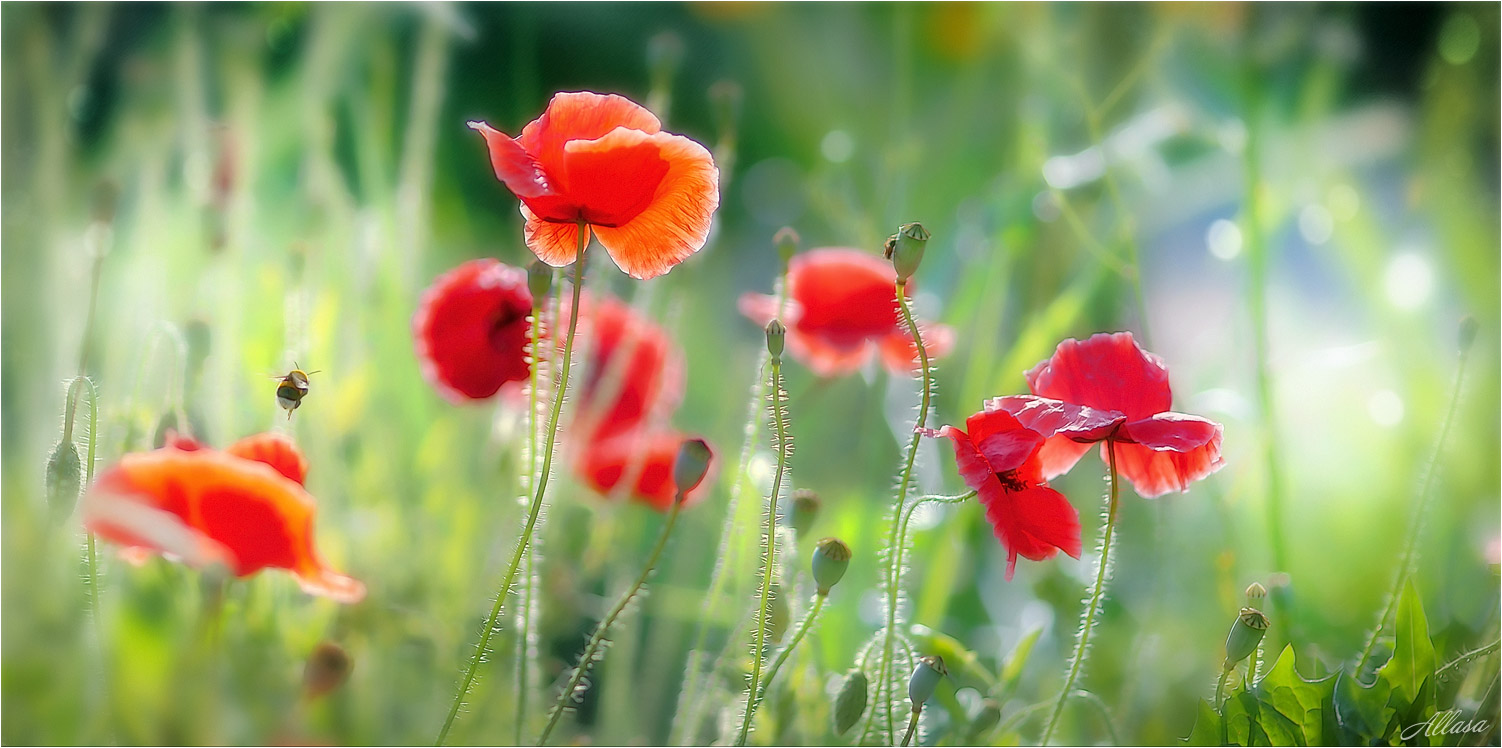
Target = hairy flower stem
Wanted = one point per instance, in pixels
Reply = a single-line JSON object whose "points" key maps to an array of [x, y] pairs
{"points": [[523, 648], [1220, 686], [894, 538], [769, 555], [88, 480], [542, 487], [1102, 575], [782, 657], [912, 725], [1416, 519], [592, 650]]}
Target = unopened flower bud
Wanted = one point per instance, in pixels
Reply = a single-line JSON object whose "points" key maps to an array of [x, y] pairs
{"points": [[776, 336], [1246, 634], [691, 465], [805, 510], [64, 479], [328, 667], [905, 249], [1468, 328], [786, 241], [831, 559], [985, 720], [539, 282], [1254, 594], [850, 703], [926, 676]]}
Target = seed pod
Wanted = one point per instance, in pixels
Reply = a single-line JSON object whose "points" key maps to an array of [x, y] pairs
{"points": [[805, 510], [328, 667], [926, 675], [905, 249], [1246, 634], [776, 336], [1254, 594], [691, 465], [985, 720], [64, 479], [850, 703], [786, 241], [831, 559], [539, 282]]}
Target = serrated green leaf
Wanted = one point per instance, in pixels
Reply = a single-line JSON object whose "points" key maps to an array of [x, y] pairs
{"points": [[1412, 661], [1207, 726], [1361, 712], [1305, 703], [1239, 715]]}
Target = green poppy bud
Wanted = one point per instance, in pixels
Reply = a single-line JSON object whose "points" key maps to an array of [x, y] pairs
{"points": [[926, 675], [1246, 634], [691, 465], [905, 249], [786, 240], [64, 479], [850, 703], [328, 667], [831, 559], [1468, 328], [776, 336], [985, 720], [1255, 592], [539, 282], [805, 510]]}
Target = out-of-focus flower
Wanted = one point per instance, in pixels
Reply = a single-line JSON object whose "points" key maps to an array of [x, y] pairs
{"points": [[472, 330], [244, 508], [1108, 388], [603, 161], [633, 371], [641, 466], [841, 307], [998, 457]]}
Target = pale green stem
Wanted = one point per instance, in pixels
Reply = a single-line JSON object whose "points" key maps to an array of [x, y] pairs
{"points": [[803, 627], [912, 725], [597, 640], [542, 487], [1081, 648], [769, 557], [1416, 520], [523, 655], [1220, 686]]}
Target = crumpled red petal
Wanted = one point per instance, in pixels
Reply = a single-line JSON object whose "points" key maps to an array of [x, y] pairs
{"points": [[471, 330], [1108, 371], [1169, 451], [1070, 429]]}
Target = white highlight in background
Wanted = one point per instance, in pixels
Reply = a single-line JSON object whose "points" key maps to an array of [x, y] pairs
{"points": [[1224, 239], [1385, 408], [1409, 280]]}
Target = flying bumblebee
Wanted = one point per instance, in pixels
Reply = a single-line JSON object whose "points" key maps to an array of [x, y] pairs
{"points": [[292, 387]]}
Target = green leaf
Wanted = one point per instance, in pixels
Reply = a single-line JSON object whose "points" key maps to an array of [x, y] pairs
{"points": [[1012, 670], [1207, 726], [1305, 703], [1361, 712], [1412, 662]]}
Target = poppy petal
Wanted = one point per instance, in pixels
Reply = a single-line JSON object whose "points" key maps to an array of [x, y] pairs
{"points": [[581, 115], [675, 223], [900, 353], [471, 330], [1171, 450], [276, 450], [1054, 417], [520, 172], [1006, 444], [616, 177], [1106, 371], [1059, 454], [639, 465], [556, 243], [847, 295], [825, 359], [1033, 523], [633, 371], [324, 583], [762, 308]]}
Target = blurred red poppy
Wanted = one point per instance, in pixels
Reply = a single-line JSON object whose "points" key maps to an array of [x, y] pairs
{"points": [[603, 161], [641, 465], [841, 307], [633, 371], [242, 508], [472, 328], [1108, 388], [998, 457]]}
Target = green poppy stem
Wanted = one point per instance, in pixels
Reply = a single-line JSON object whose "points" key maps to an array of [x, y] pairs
{"points": [[782, 657], [542, 486], [912, 725]]}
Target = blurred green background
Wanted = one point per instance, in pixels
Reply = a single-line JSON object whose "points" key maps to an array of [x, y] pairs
{"points": [[287, 178]]}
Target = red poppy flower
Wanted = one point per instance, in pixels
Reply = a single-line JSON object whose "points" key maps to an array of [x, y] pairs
{"points": [[244, 508], [471, 329], [640, 464], [1108, 388], [633, 371], [841, 307], [603, 161], [998, 457]]}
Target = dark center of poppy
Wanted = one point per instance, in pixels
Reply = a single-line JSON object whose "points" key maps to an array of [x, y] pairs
{"points": [[1010, 481], [508, 327]]}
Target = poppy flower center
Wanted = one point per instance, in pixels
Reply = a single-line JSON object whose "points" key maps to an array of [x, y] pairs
{"points": [[1010, 481], [509, 329]]}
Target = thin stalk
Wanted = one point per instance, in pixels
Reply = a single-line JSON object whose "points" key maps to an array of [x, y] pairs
{"points": [[1470, 656], [523, 654], [1251, 668], [1220, 686], [597, 640], [88, 480], [769, 558], [894, 568], [803, 627], [912, 725], [1101, 577], [542, 487], [1416, 520]]}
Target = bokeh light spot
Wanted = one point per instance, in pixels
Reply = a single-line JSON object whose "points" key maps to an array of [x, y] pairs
{"points": [[837, 146], [1316, 224], [1224, 239], [1385, 408], [1459, 39], [1409, 280]]}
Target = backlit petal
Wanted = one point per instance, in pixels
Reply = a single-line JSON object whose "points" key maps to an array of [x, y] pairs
{"points": [[613, 179], [900, 354], [1006, 444], [1107, 371], [675, 222], [846, 295], [471, 329], [521, 173], [581, 115], [1033, 523], [1054, 417], [276, 450], [632, 372], [555, 243], [1171, 451]]}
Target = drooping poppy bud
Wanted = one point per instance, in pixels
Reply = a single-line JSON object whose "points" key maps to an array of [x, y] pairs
{"points": [[1255, 592], [539, 282], [831, 559], [805, 510], [691, 465], [905, 249], [64, 479], [328, 667], [776, 337], [926, 676], [786, 241], [1246, 634], [850, 703]]}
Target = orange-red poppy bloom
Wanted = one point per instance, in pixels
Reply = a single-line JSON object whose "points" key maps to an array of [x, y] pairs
{"points": [[998, 457], [1108, 388], [244, 508], [639, 464], [633, 372], [841, 309], [472, 328], [603, 163]]}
